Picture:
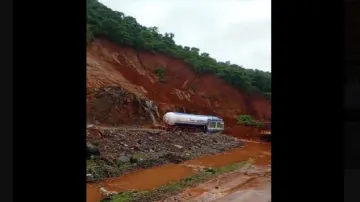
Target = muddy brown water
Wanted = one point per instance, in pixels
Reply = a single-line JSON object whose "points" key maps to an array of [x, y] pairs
{"points": [[148, 179]]}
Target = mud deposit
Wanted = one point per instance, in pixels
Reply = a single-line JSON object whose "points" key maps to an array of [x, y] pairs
{"points": [[123, 151], [250, 183]]}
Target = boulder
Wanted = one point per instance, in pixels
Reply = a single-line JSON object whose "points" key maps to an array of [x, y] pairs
{"points": [[92, 150]]}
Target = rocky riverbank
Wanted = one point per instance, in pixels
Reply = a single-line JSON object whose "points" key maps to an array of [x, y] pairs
{"points": [[114, 152]]}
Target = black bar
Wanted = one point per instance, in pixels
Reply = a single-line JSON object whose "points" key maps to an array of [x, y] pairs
{"points": [[351, 185], [352, 145]]}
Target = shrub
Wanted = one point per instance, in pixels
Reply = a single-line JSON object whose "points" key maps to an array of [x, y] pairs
{"points": [[160, 73], [248, 121]]}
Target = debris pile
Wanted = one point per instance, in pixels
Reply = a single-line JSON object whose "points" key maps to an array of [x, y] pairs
{"points": [[122, 151]]}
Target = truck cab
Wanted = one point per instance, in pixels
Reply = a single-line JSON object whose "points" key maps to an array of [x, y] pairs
{"points": [[215, 125]]}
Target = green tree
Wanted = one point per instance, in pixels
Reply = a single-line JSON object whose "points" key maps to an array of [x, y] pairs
{"points": [[125, 30]]}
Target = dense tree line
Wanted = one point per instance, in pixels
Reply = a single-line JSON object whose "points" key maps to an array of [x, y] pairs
{"points": [[125, 30]]}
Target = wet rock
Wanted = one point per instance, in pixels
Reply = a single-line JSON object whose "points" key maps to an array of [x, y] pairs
{"points": [[137, 147], [173, 158], [194, 148], [123, 159], [89, 125], [89, 177], [107, 193], [178, 146], [133, 159], [92, 150]]}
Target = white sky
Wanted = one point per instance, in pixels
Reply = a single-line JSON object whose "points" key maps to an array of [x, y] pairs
{"points": [[238, 31]]}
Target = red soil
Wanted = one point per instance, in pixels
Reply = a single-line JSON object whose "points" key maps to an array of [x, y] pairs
{"points": [[245, 132], [112, 65]]}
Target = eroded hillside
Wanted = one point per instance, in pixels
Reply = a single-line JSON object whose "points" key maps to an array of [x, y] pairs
{"points": [[124, 88]]}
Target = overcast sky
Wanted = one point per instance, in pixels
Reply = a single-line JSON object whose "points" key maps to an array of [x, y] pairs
{"points": [[238, 31]]}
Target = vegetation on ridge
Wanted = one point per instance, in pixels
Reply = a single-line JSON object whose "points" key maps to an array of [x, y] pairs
{"points": [[248, 120], [125, 30]]}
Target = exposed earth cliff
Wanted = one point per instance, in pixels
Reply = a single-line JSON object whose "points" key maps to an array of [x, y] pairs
{"points": [[124, 88]]}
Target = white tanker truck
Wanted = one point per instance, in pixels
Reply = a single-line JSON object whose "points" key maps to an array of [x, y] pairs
{"points": [[207, 124]]}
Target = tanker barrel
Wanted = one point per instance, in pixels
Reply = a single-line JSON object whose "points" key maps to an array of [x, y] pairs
{"points": [[172, 118]]}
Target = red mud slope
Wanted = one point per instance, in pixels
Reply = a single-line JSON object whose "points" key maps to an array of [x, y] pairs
{"points": [[109, 65]]}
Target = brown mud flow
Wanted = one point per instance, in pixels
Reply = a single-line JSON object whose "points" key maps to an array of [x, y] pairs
{"points": [[149, 179], [146, 179]]}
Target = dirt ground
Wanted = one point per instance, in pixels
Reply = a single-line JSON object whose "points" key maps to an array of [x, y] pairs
{"points": [[249, 184]]}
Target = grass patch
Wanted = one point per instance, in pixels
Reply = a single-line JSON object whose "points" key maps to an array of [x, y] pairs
{"points": [[173, 188], [125, 167], [140, 156], [160, 73], [248, 120], [125, 196], [91, 166], [101, 169]]}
